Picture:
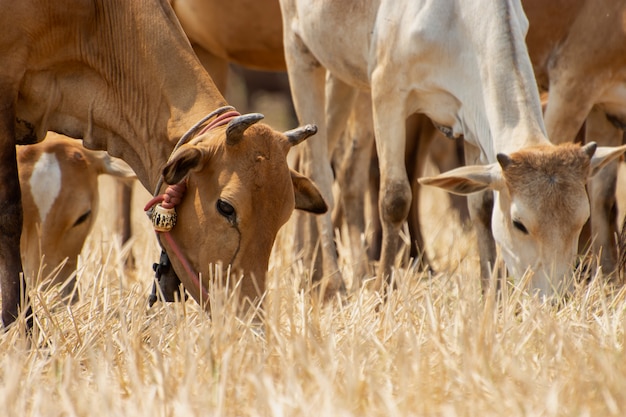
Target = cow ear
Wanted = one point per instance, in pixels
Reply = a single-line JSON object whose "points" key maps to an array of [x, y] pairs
{"points": [[468, 180], [106, 164], [308, 197], [603, 155], [184, 161]]}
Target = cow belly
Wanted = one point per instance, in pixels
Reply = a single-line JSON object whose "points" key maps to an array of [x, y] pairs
{"points": [[345, 48]]}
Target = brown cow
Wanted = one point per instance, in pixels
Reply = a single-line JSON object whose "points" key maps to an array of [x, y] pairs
{"points": [[59, 181], [122, 76]]}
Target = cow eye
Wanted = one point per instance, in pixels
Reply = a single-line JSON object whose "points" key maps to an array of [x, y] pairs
{"points": [[520, 226], [83, 218], [226, 209]]}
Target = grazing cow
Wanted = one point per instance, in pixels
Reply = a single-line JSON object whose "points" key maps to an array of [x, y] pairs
{"points": [[586, 98], [578, 51], [245, 32], [122, 76], [464, 65], [59, 182]]}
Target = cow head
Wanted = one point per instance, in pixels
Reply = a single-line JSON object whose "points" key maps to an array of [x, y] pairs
{"points": [[240, 191], [59, 180], [540, 206]]}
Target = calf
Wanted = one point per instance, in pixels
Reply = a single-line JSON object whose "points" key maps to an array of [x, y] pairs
{"points": [[59, 181]]}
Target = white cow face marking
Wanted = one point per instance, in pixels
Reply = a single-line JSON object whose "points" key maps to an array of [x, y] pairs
{"points": [[45, 183]]}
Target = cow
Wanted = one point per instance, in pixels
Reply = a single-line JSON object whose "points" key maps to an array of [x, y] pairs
{"points": [[585, 94], [246, 33], [464, 65], [122, 76], [578, 51], [59, 183]]}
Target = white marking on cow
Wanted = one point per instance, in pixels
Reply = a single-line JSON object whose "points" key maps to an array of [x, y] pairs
{"points": [[45, 183]]}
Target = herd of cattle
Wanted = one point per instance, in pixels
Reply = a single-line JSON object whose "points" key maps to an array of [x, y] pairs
{"points": [[131, 78]]}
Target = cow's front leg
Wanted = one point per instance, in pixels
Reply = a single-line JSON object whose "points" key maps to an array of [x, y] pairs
{"points": [[12, 284], [395, 191]]}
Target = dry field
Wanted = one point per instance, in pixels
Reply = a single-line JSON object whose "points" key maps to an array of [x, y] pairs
{"points": [[435, 348]]}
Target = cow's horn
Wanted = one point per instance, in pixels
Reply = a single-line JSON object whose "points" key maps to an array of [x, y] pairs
{"points": [[236, 127], [299, 134], [590, 149]]}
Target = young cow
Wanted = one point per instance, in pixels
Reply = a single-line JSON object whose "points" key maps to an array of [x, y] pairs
{"points": [[59, 181]]}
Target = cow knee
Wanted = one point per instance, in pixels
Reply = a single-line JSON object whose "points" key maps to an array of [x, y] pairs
{"points": [[396, 202]]}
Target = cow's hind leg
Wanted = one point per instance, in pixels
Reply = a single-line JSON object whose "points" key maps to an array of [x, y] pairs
{"points": [[308, 81], [12, 284], [352, 176], [480, 207], [420, 134]]}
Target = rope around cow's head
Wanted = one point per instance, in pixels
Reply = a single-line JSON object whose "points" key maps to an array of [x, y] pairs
{"points": [[161, 209]]}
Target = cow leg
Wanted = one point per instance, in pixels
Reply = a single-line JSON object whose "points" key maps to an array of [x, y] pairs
{"points": [[124, 220], [375, 237], [12, 283], [480, 206], [602, 191], [395, 192], [352, 176], [307, 79], [305, 238], [448, 154], [340, 99], [420, 134]]}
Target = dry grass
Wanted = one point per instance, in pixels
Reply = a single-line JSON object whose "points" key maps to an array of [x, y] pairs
{"points": [[436, 348]]}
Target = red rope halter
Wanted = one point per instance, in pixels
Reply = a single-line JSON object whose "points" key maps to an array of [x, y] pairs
{"points": [[173, 194]]}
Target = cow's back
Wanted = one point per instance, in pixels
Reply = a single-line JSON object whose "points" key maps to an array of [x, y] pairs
{"points": [[232, 30]]}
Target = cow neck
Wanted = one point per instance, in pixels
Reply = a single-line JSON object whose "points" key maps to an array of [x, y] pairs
{"points": [[511, 98], [223, 116]]}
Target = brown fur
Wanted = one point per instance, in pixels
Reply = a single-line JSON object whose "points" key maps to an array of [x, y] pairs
{"points": [[550, 172], [60, 237], [122, 76], [245, 32]]}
